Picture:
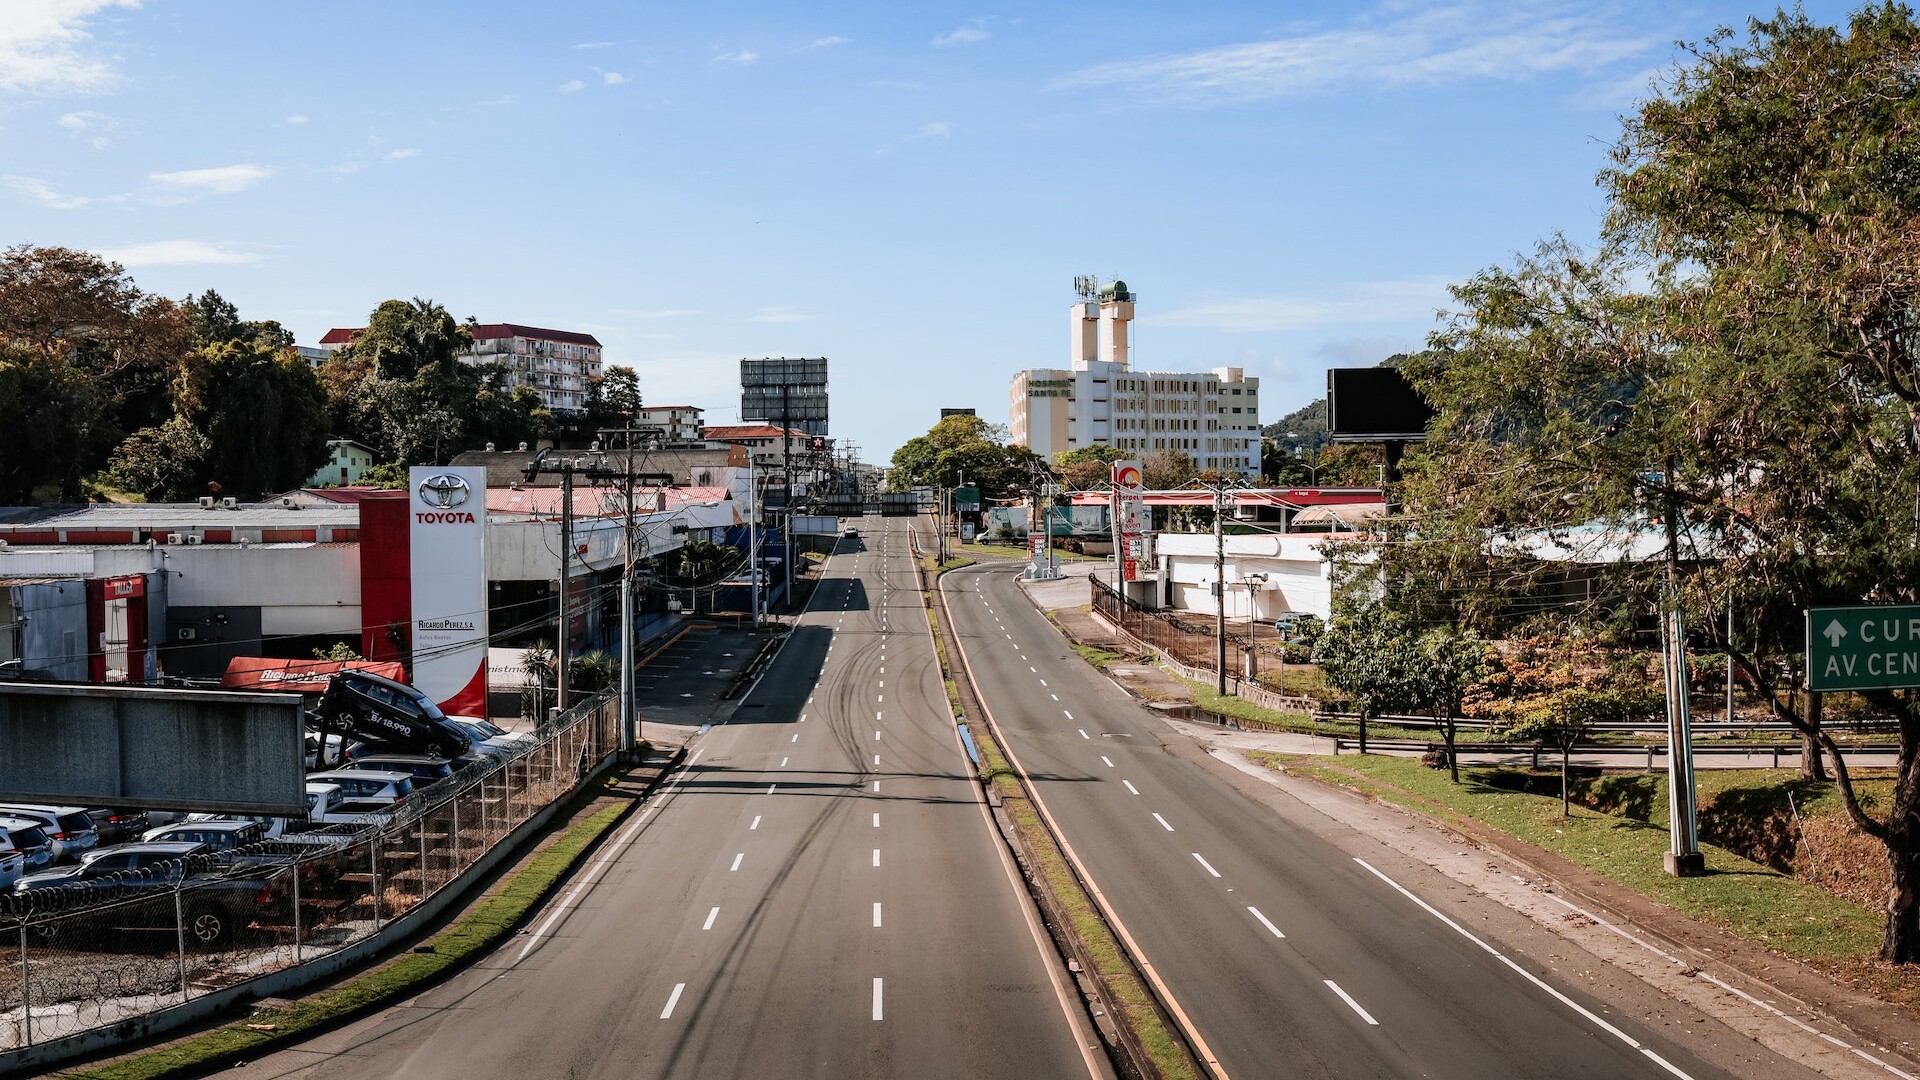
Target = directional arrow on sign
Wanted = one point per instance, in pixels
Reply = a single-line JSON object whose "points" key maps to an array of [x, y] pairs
{"points": [[1833, 633]]}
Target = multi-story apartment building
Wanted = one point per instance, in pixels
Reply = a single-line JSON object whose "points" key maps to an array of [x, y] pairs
{"points": [[559, 365], [680, 423], [1099, 400]]}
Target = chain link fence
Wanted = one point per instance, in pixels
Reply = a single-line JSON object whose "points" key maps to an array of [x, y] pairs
{"points": [[1189, 641], [101, 951]]}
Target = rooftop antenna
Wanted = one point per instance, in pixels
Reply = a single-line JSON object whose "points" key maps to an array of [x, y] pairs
{"points": [[1086, 286]]}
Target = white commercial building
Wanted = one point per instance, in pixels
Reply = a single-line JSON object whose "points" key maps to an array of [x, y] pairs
{"points": [[1265, 576], [1100, 401]]}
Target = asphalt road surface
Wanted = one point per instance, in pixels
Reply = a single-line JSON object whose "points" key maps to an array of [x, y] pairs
{"points": [[818, 894], [1293, 952]]}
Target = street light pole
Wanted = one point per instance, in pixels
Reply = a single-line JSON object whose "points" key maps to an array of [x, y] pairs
{"points": [[1219, 593]]}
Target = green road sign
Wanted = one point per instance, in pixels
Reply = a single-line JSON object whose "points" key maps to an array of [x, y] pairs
{"points": [[966, 499], [1863, 648]]}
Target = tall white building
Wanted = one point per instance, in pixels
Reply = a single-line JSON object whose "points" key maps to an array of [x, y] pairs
{"points": [[1100, 401]]}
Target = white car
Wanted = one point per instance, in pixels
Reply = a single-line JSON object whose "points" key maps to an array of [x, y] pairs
{"points": [[69, 827], [366, 785]]}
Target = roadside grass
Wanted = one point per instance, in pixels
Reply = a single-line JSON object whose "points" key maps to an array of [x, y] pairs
{"points": [[491, 921], [935, 566], [1743, 897], [1097, 656]]}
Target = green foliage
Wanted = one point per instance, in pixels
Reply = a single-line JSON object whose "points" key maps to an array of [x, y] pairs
{"points": [[57, 419], [1163, 470], [1368, 653], [1098, 453], [265, 418], [339, 652], [215, 321], [164, 463], [966, 447], [591, 672], [613, 399]]}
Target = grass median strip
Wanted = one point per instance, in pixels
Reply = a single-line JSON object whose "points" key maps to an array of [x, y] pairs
{"points": [[483, 927]]}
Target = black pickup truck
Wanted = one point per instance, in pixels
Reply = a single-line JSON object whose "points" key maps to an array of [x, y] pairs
{"points": [[133, 887]]}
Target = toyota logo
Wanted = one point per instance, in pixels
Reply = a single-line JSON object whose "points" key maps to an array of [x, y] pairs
{"points": [[444, 491]]}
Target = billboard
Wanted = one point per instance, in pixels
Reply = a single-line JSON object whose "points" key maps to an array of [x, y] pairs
{"points": [[1374, 404], [447, 532], [791, 391]]}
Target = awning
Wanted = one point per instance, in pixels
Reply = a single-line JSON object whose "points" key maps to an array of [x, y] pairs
{"points": [[298, 676]]}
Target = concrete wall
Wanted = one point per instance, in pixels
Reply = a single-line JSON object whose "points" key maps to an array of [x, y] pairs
{"points": [[53, 639], [168, 749]]}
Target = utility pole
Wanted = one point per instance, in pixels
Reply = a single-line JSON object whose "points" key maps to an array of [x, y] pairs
{"points": [[753, 538], [1219, 593]]}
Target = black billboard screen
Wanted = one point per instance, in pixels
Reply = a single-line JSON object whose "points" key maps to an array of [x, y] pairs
{"points": [[1374, 404]]}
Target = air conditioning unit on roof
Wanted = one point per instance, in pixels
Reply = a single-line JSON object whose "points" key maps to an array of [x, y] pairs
{"points": [[229, 503], [206, 502], [175, 539], [196, 538]]}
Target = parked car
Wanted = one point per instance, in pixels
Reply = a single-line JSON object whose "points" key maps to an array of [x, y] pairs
{"points": [[367, 785], [69, 827], [495, 741], [139, 885], [13, 864], [217, 835], [328, 804], [371, 707], [426, 771], [118, 826], [29, 839]]}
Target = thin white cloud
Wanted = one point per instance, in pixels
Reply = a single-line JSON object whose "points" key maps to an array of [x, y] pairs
{"points": [[43, 47], [402, 155], [1407, 300], [662, 313], [962, 35], [347, 168], [611, 78], [179, 253], [41, 192], [602, 44], [741, 58], [1392, 48], [295, 120], [220, 180], [938, 131], [824, 43], [571, 85], [781, 314], [78, 122]]}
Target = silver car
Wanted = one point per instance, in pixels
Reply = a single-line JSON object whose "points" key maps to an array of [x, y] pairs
{"points": [[69, 827]]}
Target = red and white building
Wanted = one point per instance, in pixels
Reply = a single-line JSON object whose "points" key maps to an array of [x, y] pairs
{"points": [[559, 365]]}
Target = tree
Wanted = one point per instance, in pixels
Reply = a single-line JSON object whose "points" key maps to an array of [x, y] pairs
{"points": [[1367, 652], [1164, 470], [162, 463], [68, 317], [265, 417], [215, 321], [1451, 662], [613, 400], [1098, 453], [1085, 475], [966, 447]]}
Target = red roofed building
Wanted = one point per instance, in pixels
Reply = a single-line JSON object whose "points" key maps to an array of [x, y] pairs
{"points": [[559, 365]]}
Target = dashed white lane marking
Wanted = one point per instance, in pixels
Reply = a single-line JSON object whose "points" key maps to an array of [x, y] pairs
{"points": [[1203, 862], [803, 718], [876, 759], [878, 698], [711, 915], [1055, 697], [672, 1000], [756, 823], [876, 914], [1162, 821], [876, 856], [1043, 682], [1069, 713], [1354, 1005], [1084, 735], [1528, 975], [736, 862], [770, 788], [783, 763], [876, 783], [876, 998], [796, 737], [1107, 759], [877, 714], [883, 682], [1268, 923], [876, 819], [876, 736]]}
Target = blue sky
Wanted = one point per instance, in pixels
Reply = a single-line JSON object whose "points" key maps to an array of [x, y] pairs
{"points": [[907, 189]]}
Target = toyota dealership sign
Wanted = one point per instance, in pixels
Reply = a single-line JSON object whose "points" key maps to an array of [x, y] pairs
{"points": [[447, 530]]}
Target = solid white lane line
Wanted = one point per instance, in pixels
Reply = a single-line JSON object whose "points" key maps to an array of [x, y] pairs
{"points": [[876, 819], [711, 915], [756, 822], [1348, 998], [876, 998], [1084, 735], [1268, 923], [1205, 863], [1130, 786], [1162, 821], [672, 1000], [1107, 759], [1528, 975], [876, 856], [876, 914], [736, 862]]}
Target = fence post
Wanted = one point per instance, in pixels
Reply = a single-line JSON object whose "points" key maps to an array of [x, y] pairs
{"points": [[299, 953], [26, 987], [180, 934], [1536, 757], [453, 839], [421, 831], [373, 866]]}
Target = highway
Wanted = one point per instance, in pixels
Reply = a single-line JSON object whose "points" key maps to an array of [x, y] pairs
{"points": [[818, 893], [1291, 949]]}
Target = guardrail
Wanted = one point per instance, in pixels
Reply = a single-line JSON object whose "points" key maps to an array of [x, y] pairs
{"points": [[1772, 751], [111, 951]]}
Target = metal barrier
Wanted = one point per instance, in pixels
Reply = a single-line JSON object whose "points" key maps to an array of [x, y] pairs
{"points": [[97, 953], [1185, 640]]}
